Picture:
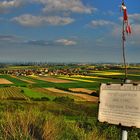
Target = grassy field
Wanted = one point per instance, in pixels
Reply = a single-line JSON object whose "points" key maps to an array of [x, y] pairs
{"points": [[34, 94], [47, 115], [59, 119], [52, 120]]}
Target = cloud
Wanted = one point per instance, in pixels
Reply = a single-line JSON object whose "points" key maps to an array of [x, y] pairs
{"points": [[34, 21], [59, 42], [5, 5], [136, 30], [66, 42], [51, 6], [75, 6], [37, 42], [135, 35], [135, 18], [21, 40], [9, 38], [100, 23], [109, 13], [12, 3], [132, 39]]}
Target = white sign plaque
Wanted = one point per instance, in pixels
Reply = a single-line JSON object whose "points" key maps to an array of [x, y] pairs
{"points": [[120, 104]]}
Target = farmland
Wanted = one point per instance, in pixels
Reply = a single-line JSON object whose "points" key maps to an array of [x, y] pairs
{"points": [[4, 81], [53, 80], [12, 93], [57, 97]]}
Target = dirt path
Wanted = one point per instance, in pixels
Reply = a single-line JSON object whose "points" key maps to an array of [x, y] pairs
{"points": [[84, 96]]}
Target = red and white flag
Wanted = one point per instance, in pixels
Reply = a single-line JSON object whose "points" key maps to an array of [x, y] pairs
{"points": [[125, 16], [128, 29], [125, 19]]}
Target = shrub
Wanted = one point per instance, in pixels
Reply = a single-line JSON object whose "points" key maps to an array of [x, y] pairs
{"points": [[95, 93], [35, 99], [64, 100], [45, 99], [22, 91], [40, 99], [30, 86]]}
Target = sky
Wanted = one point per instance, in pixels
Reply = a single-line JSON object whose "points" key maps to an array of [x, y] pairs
{"points": [[67, 31]]}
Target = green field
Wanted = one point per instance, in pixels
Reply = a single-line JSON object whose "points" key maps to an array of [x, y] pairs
{"points": [[16, 82], [27, 109]]}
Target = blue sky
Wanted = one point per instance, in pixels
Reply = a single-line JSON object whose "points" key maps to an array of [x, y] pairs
{"points": [[67, 31]]}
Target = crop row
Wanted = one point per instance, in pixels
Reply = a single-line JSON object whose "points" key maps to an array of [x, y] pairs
{"points": [[11, 93]]}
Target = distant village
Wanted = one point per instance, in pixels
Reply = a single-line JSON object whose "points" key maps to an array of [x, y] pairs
{"points": [[60, 69]]}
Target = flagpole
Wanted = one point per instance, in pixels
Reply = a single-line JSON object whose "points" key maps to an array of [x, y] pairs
{"points": [[124, 131], [123, 48]]}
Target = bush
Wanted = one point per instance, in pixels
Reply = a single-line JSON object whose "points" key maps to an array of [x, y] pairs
{"points": [[30, 86], [22, 91], [41, 99], [45, 99], [95, 93], [66, 100]]}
